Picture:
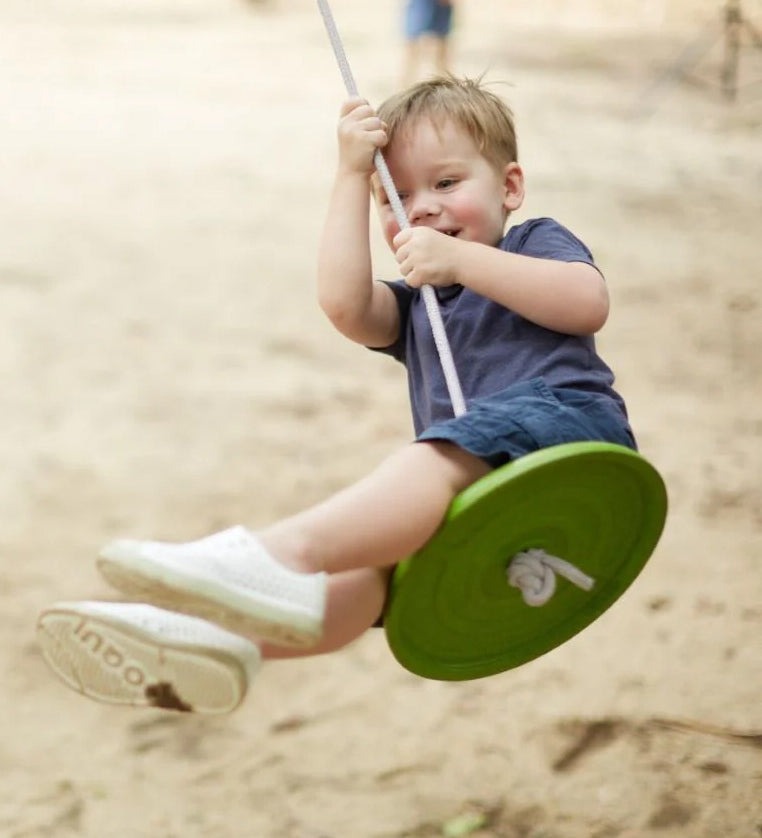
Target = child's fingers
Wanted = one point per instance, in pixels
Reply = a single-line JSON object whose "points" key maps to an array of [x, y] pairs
{"points": [[359, 109], [376, 133], [354, 102], [401, 238], [357, 115]]}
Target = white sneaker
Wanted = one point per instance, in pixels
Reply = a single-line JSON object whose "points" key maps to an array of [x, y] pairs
{"points": [[227, 578], [130, 653]]}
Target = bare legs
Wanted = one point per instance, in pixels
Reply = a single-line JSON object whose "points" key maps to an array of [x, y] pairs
{"points": [[355, 600], [441, 54], [359, 533], [429, 50], [382, 518], [322, 573]]}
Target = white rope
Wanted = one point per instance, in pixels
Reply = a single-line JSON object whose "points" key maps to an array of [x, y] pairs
{"points": [[429, 296], [534, 571]]}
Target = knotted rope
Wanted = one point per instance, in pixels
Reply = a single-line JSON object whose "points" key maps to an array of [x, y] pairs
{"points": [[534, 571]]}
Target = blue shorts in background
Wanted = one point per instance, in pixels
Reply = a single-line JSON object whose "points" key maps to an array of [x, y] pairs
{"points": [[427, 17]]}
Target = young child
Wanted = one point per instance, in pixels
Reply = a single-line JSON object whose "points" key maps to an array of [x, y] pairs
{"points": [[520, 309], [427, 29]]}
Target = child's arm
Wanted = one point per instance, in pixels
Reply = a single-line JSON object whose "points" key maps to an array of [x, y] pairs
{"points": [[568, 297], [361, 309]]}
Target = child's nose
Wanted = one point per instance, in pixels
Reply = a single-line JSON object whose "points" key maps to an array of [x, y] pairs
{"points": [[421, 207]]}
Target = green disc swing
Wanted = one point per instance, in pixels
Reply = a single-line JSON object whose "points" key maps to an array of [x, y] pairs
{"points": [[482, 596]]}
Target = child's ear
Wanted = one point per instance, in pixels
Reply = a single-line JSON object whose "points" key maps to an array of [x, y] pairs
{"points": [[513, 187]]}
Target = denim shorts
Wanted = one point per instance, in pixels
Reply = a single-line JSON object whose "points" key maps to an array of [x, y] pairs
{"points": [[528, 416], [427, 17]]}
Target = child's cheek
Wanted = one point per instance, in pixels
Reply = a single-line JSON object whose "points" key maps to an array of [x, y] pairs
{"points": [[391, 228]]}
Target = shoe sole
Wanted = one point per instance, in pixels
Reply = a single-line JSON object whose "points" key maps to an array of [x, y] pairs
{"points": [[264, 619], [114, 662]]}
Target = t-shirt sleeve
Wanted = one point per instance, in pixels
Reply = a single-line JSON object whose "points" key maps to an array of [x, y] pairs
{"points": [[545, 238], [404, 294]]}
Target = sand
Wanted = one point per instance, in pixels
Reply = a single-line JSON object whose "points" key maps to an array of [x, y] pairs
{"points": [[167, 372]]}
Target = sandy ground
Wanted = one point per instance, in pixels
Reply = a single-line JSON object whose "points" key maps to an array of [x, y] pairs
{"points": [[166, 372]]}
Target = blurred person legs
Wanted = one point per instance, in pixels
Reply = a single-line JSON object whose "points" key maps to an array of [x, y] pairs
{"points": [[427, 29]]}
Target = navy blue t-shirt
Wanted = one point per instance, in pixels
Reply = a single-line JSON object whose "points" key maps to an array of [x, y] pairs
{"points": [[492, 346]]}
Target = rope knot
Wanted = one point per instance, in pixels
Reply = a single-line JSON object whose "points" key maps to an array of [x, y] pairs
{"points": [[534, 571]]}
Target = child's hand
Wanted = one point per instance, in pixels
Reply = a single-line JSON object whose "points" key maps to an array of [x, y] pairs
{"points": [[426, 257], [360, 132]]}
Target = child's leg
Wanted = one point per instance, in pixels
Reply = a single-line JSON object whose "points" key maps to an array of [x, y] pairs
{"points": [[274, 585], [355, 601], [383, 518], [136, 654]]}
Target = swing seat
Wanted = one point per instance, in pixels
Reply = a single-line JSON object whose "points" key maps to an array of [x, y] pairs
{"points": [[451, 613]]}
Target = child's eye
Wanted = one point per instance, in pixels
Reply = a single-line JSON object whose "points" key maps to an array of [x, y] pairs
{"points": [[446, 183]]}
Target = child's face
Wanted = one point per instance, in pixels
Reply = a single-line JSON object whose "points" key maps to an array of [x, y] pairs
{"points": [[445, 183]]}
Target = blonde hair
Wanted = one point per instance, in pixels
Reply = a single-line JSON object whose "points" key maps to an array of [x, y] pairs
{"points": [[465, 102]]}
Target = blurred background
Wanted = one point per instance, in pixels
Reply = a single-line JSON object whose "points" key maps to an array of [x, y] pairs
{"points": [[166, 372]]}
